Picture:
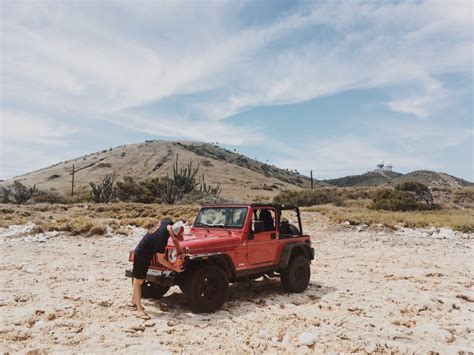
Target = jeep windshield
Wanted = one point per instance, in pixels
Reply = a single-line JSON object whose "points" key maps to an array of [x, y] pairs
{"points": [[221, 217]]}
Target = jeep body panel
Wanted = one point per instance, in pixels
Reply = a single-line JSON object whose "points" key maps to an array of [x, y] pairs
{"points": [[239, 251]]}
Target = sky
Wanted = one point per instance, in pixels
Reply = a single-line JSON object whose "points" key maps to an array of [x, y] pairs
{"points": [[333, 87]]}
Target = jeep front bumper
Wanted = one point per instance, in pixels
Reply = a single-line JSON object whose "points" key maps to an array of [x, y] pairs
{"points": [[162, 277]]}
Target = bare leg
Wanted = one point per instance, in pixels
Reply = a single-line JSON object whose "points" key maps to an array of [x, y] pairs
{"points": [[164, 262], [137, 298], [132, 302]]}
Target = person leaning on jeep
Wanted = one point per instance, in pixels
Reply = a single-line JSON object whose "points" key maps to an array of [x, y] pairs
{"points": [[154, 242]]}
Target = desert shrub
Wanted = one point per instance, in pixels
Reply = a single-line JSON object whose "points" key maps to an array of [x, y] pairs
{"points": [[397, 200], [464, 226], [41, 196], [422, 193], [309, 197], [81, 195], [130, 190], [104, 165], [464, 197], [54, 176], [5, 195], [21, 193]]}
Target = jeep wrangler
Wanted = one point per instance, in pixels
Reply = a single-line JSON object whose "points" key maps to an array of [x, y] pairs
{"points": [[231, 243]]}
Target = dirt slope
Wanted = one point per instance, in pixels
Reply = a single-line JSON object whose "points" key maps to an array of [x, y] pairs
{"points": [[242, 178]]}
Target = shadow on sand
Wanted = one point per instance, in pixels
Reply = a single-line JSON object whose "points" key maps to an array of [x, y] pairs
{"points": [[243, 298]]}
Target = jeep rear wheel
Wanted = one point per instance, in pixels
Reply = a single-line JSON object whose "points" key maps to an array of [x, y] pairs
{"points": [[206, 288], [153, 290], [295, 278]]}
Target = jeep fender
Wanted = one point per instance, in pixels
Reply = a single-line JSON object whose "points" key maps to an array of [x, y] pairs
{"points": [[219, 259], [294, 249]]}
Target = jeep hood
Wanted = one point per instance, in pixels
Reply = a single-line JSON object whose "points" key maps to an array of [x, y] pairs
{"points": [[204, 241]]}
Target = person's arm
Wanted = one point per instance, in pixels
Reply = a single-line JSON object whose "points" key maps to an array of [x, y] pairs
{"points": [[175, 240]]}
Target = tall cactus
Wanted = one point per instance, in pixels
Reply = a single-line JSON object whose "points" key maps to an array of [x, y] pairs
{"points": [[215, 191], [103, 192], [185, 178]]}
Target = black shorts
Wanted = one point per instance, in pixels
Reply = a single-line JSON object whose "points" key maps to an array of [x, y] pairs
{"points": [[141, 263]]}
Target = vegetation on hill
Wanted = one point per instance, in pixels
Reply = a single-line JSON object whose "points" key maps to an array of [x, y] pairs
{"points": [[321, 196], [410, 204], [369, 179], [433, 179], [214, 152]]}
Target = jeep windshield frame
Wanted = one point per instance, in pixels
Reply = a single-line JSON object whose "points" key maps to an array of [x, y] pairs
{"points": [[221, 217]]}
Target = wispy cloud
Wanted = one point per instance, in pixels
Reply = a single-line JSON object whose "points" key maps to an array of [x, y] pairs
{"points": [[112, 61], [28, 129]]}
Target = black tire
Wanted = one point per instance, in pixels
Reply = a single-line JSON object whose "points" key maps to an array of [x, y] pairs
{"points": [[184, 290], [206, 288], [295, 278], [153, 290]]}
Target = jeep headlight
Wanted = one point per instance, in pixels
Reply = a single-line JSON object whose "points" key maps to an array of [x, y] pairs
{"points": [[172, 255]]}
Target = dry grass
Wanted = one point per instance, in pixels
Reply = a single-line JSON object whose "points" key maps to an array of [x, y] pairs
{"points": [[92, 219], [356, 212]]}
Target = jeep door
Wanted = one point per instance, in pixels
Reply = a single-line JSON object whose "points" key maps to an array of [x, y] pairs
{"points": [[262, 246]]}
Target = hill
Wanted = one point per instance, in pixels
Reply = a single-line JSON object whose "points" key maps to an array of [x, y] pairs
{"points": [[242, 178], [369, 179], [433, 179]]}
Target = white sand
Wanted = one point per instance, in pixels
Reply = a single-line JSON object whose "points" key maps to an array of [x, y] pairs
{"points": [[371, 290]]}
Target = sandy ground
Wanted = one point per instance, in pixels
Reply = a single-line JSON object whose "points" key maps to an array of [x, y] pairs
{"points": [[371, 290]]}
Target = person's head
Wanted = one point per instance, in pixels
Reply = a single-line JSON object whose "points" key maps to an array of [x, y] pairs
{"points": [[178, 229]]}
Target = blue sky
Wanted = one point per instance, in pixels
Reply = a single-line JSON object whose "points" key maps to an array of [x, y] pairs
{"points": [[330, 86]]}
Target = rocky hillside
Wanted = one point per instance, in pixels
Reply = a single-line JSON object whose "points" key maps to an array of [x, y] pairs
{"points": [[242, 178], [390, 178], [369, 179], [433, 179]]}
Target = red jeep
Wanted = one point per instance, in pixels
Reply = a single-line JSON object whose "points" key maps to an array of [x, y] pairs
{"points": [[233, 242]]}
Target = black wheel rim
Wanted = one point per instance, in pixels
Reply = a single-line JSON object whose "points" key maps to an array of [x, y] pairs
{"points": [[209, 289], [300, 274]]}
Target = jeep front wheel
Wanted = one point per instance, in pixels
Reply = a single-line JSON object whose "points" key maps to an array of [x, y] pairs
{"points": [[206, 289], [295, 278], [153, 290]]}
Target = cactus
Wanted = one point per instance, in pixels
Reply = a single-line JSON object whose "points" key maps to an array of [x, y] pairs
{"points": [[185, 179], [169, 191], [215, 191], [104, 191]]}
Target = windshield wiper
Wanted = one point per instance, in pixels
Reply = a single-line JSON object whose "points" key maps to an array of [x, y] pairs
{"points": [[209, 225]]}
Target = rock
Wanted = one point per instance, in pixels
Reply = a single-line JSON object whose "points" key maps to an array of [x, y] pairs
{"points": [[149, 323], [362, 227], [307, 339], [137, 327], [465, 298], [105, 303], [36, 351], [371, 348], [286, 340], [444, 233], [263, 334], [40, 324], [274, 339], [432, 332]]}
